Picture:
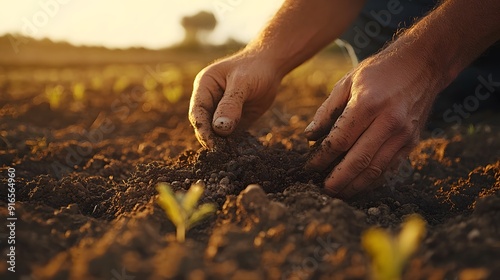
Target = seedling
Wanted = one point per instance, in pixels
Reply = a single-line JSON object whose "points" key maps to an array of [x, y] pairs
{"points": [[54, 95], [391, 253], [172, 93], [182, 209], [78, 91]]}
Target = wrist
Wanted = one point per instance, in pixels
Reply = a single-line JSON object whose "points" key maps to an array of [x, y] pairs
{"points": [[451, 37], [269, 58]]}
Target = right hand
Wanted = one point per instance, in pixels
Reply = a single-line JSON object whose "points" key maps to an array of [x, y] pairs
{"points": [[231, 93]]}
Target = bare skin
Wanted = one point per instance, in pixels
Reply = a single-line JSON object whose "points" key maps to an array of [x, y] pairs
{"points": [[384, 101]]}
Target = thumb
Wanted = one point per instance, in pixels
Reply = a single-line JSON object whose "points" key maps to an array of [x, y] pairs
{"points": [[228, 112]]}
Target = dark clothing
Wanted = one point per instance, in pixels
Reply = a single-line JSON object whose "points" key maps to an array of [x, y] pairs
{"points": [[377, 25]]}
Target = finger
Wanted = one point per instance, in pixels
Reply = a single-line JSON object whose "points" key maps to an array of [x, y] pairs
{"points": [[355, 119], [206, 94], [370, 177], [228, 112], [360, 157], [329, 111], [400, 167]]}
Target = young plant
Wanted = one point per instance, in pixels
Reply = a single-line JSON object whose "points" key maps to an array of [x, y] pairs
{"points": [[54, 96], [79, 92], [391, 253], [182, 209]]}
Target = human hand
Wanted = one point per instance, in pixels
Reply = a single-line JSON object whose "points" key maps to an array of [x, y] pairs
{"points": [[375, 114], [230, 93]]}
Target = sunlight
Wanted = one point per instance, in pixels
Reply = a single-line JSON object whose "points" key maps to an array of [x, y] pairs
{"points": [[120, 24]]}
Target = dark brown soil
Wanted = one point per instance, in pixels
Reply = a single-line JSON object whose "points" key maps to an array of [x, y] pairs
{"points": [[86, 174]]}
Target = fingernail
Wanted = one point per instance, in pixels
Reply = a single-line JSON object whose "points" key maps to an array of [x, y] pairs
{"points": [[223, 124], [310, 127]]}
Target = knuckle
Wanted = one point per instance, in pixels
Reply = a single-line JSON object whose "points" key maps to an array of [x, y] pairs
{"points": [[361, 162], [372, 172], [407, 133], [342, 143], [371, 108], [204, 74], [394, 122]]}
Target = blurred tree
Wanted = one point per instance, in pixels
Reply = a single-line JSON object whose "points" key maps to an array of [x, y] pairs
{"points": [[197, 27]]}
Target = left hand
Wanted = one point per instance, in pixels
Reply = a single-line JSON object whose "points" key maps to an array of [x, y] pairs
{"points": [[375, 114]]}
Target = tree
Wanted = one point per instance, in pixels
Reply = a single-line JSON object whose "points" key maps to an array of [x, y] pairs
{"points": [[197, 27]]}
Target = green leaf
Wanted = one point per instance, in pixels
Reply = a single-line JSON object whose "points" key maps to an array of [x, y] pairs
{"points": [[380, 246], [201, 213], [411, 234], [390, 254], [168, 202], [191, 198]]}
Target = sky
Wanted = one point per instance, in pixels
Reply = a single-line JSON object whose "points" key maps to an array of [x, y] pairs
{"points": [[131, 23]]}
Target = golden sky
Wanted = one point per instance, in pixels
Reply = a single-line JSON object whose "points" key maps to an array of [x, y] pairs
{"points": [[126, 23]]}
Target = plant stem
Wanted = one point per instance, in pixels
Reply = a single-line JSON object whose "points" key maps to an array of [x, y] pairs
{"points": [[181, 233]]}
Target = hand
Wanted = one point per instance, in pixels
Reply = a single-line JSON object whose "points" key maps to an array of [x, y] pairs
{"points": [[233, 92], [375, 114]]}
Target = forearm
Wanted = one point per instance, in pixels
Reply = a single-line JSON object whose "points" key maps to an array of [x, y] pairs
{"points": [[301, 28], [452, 36]]}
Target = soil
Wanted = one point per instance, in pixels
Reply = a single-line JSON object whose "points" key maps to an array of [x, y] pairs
{"points": [[86, 174]]}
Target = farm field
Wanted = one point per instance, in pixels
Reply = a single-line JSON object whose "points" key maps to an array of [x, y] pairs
{"points": [[90, 142]]}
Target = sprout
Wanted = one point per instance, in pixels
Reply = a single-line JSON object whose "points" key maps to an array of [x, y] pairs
{"points": [[181, 208], [54, 95], [172, 93], [78, 91], [471, 129], [391, 253], [120, 84], [149, 83]]}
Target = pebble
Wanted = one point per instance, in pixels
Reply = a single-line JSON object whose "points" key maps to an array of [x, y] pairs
{"points": [[473, 234], [162, 179], [252, 197], [373, 211], [73, 208], [276, 210], [224, 181]]}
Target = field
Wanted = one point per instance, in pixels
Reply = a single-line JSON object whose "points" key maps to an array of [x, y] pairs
{"points": [[89, 143]]}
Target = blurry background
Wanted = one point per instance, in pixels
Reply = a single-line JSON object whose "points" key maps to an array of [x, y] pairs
{"points": [[120, 24], [57, 56]]}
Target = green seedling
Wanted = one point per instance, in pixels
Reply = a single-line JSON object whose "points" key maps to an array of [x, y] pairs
{"points": [[471, 129], [173, 93], [78, 92], [54, 95], [182, 208], [389, 253]]}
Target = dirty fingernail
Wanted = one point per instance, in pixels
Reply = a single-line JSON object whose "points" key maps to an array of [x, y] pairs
{"points": [[310, 127], [223, 124]]}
